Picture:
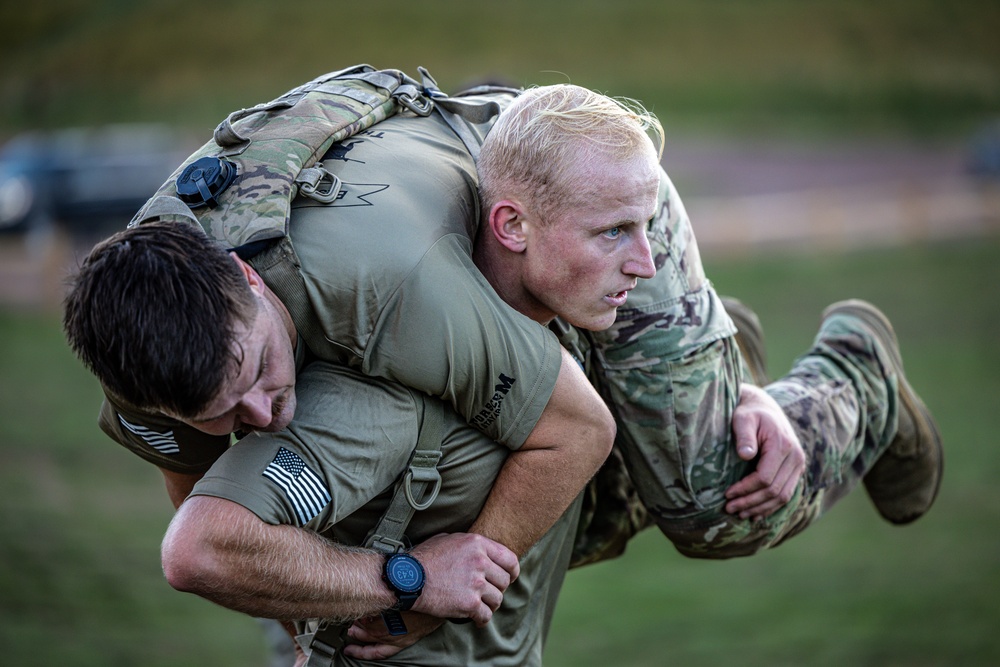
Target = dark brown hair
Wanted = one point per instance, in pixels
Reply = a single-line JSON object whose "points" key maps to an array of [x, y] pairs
{"points": [[151, 312]]}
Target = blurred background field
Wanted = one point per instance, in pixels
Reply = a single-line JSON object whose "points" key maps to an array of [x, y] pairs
{"points": [[890, 66], [824, 149]]}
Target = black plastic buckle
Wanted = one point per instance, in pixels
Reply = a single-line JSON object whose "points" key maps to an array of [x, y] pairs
{"points": [[204, 180]]}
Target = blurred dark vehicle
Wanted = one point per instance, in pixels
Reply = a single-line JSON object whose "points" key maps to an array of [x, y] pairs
{"points": [[90, 180], [984, 151]]}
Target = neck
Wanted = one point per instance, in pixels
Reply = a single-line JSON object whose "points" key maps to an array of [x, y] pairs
{"points": [[502, 270], [286, 318]]}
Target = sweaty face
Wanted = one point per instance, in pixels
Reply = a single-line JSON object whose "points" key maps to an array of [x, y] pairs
{"points": [[260, 392], [581, 261]]}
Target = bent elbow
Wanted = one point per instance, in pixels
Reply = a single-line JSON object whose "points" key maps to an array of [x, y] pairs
{"points": [[179, 577], [605, 430], [183, 570], [598, 429], [187, 560]]}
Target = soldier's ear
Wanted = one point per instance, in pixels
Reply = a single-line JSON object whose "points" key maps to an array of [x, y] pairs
{"points": [[507, 224], [253, 278]]}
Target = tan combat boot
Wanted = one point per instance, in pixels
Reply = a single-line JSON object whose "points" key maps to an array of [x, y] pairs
{"points": [[904, 481], [749, 338]]}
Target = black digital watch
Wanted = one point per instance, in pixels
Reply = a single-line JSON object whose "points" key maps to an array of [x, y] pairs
{"points": [[405, 577]]}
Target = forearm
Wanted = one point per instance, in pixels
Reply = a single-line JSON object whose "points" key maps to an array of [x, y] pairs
{"points": [[533, 490], [178, 485], [539, 481], [222, 552]]}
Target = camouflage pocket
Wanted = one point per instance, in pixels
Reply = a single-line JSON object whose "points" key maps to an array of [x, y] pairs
{"points": [[674, 427]]}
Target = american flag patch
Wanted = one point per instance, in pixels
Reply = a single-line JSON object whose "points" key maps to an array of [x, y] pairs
{"points": [[164, 443], [301, 485]]}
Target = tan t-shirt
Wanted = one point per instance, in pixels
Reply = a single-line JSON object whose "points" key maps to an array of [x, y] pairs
{"points": [[385, 283], [395, 253]]}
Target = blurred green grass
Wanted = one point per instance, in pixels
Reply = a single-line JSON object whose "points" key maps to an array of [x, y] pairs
{"points": [[913, 67], [80, 525], [81, 520]]}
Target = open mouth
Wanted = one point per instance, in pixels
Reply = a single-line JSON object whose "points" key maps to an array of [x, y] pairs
{"points": [[617, 298]]}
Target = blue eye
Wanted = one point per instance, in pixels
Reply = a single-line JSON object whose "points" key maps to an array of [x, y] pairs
{"points": [[613, 233]]}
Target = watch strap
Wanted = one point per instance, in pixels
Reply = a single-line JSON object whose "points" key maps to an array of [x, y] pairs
{"points": [[394, 622], [404, 601]]}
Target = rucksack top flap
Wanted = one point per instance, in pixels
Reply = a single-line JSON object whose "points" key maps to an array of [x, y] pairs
{"points": [[280, 142]]}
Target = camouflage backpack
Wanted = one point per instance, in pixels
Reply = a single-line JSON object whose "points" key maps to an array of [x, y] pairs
{"points": [[239, 186]]}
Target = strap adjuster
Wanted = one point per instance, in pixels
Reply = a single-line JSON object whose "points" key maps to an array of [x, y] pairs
{"points": [[419, 104], [318, 184], [386, 544], [422, 470]]}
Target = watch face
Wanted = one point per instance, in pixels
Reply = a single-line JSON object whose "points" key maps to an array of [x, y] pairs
{"points": [[405, 573]]}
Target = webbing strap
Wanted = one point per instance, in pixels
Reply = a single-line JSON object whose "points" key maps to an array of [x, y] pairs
{"points": [[457, 112], [323, 644], [474, 111], [279, 266], [459, 127], [415, 490], [167, 208]]}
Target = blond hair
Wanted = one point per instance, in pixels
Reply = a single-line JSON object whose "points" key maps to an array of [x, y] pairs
{"points": [[548, 130]]}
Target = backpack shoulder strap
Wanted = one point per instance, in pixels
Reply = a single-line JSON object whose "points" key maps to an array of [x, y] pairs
{"points": [[415, 490], [418, 487]]}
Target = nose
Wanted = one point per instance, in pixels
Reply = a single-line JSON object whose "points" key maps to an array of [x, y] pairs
{"points": [[256, 409], [640, 260]]}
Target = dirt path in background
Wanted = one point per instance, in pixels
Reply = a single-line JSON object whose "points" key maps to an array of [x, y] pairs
{"points": [[717, 168], [755, 197]]}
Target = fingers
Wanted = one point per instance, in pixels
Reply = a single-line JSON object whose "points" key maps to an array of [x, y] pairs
{"points": [[378, 644], [756, 496], [371, 651], [505, 558], [745, 429], [496, 580], [467, 576], [761, 427], [767, 489], [369, 630], [491, 598], [370, 633], [762, 504]]}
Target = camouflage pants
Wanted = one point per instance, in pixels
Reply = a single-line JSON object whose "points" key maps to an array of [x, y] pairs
{"points": [[670, 370], [675, 436]]}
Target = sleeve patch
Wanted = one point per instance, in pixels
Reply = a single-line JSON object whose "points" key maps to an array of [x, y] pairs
{"points": [[303, 488], [161, 442]]}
